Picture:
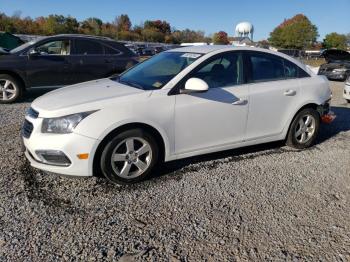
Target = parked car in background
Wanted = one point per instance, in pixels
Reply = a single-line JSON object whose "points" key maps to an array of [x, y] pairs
{"points": [[149, 51], [179, 103], [346, 94], [60, 60], [158, 49], [337, 66]]}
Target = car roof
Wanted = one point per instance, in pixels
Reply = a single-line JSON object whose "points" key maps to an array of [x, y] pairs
{"points": [[203, 49], [78, 36], [206, 49]]}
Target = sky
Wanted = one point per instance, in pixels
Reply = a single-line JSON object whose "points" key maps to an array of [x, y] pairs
{"points": [[209, 16]]}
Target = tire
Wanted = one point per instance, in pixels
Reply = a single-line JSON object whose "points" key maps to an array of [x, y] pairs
{"points": [[11, 90], [348, 100], [304, 136], [130, 165]]}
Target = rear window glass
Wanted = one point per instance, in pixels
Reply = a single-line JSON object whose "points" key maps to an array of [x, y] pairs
{"points": [[86, 47], [111, 51], [266, 67]]}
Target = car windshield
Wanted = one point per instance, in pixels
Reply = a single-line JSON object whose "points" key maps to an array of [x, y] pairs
{"points": [[22, 47], [157, 71]]}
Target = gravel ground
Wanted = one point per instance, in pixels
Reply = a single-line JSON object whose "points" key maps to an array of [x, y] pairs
{"points": [[265, 202]]}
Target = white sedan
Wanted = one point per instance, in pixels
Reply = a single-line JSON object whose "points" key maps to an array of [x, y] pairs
{"points": [[180, 103]]}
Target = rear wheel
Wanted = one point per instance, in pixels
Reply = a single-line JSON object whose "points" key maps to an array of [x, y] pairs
{"points": [[129, 157], [11, 89], [304, 129]]}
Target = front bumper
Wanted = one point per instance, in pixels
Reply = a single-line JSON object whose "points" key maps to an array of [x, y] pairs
{"points": [[70, 144]]}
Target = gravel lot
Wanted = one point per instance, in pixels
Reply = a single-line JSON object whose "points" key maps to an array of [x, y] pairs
{"points": [[259, 203]]}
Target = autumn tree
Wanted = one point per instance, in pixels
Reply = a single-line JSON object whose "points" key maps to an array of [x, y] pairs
{"points": [[220, 38], [121, 28], [123, 23], [335, 40], [295, 33]]}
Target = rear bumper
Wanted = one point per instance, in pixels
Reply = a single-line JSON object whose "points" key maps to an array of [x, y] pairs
{"points": [[346, 93]]}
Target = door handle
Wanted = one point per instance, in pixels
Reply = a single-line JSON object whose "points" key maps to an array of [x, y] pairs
{"points": [[290, 92], [240, 102]]}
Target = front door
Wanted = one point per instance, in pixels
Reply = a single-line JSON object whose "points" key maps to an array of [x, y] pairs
{"points": [[50, 65], [217, 117]]}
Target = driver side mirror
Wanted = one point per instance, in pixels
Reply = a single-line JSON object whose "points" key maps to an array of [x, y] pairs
{"points": [[33, 52], [195, 85]]}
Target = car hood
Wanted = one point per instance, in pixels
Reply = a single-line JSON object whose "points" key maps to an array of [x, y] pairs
{"points": [[336, 64], [333, 55], [81, 95]]}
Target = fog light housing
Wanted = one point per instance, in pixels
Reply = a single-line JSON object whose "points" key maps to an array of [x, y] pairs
{"points": [[53, 157]]}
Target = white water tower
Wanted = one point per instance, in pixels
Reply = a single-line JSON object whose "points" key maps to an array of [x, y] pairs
{"points": [[245, 29]]}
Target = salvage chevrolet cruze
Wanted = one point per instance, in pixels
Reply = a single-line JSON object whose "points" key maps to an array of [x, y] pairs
{"points": [[180, 103]]}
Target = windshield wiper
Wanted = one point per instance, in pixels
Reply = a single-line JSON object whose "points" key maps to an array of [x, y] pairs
{"points": [[131, 84]]}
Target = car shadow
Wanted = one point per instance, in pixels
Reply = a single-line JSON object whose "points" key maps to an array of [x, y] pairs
{"points": [[327, 131], [340, 124]]}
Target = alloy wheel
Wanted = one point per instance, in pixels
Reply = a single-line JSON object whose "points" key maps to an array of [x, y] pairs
{"points": [[8, 90], [305, 129], [131, 157]]}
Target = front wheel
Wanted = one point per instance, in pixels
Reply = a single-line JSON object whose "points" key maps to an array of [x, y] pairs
{"points": [[129, 157], [10, 89], [304, 129]]}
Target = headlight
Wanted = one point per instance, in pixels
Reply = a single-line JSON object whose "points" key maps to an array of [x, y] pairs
{"points": [[64, 124], [339, 70]]}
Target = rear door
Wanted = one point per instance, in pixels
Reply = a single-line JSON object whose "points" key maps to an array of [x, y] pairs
{"points": [[50, 66], [89, 61], [273, 91]]}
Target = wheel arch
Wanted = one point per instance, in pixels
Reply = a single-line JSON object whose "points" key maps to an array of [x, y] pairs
{"points": [[312, 105], [162, 143], [14, 75]]}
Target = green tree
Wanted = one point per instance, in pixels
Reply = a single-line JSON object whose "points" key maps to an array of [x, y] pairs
{"points": [[335, 40], [188, 36], [220, 38], [92, 26], [297, 33], [151, 35]]}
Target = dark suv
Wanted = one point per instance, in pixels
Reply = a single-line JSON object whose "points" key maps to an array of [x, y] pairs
{"points": [[59, 61]]}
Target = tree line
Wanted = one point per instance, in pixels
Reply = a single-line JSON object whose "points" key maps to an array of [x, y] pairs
{"points": [[121, 28], [297, 32]]}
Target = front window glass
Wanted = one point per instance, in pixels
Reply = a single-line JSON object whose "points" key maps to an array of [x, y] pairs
{"points": [[61, 47], [222, 71], [22, 47], [157, 71]]}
